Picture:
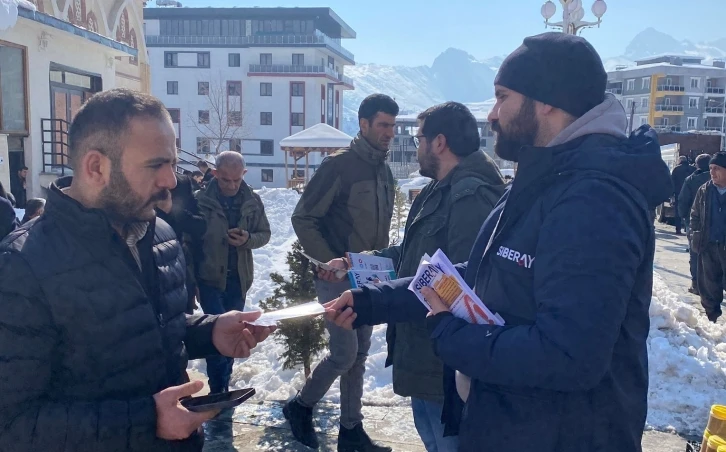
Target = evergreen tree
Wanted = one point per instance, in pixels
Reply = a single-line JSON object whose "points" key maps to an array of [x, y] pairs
{"points": [[400, 214], [303, 338]]}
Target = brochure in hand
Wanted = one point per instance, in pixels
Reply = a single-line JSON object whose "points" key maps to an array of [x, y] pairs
{"points": [[368, 269], [271, 318], [439, 273]]}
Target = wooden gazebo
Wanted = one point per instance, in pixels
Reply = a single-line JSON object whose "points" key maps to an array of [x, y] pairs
{"points": [[318, 138]]}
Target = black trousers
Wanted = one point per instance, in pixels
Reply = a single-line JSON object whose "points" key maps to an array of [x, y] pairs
{"points": [[712, 278]]}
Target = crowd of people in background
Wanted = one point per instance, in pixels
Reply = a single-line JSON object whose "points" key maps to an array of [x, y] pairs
{"points": [[101, 289]]}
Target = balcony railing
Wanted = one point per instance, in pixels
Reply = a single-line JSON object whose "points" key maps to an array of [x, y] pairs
{"points": [[675, 88], [716, 90], [272, 40], [714, 128], [614, 90], [718, 110], [55, 146], [669, 108], [295, 69], [666, 128]]}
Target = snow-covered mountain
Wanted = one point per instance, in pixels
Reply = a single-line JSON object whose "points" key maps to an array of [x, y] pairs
{"points": [[456, 75]]}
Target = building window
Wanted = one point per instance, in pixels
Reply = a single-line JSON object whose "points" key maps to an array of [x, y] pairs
{"points": [[266, 147], [267, 175], [629, 104], [13, 101], [171, 59], [172, 88], [175, 114], [203, 59], [203, 88], [235, 144], [643, 120], [631, 85], [645, 83], [693, 102], [297, 89], [202, 145], [695, 82], [234, 60], [644, 102], [203, 116], [234, 118], [234, 88], [266, 59], [266, 118], [265, 89], [692, 123], [298, 59], [297, 119]]}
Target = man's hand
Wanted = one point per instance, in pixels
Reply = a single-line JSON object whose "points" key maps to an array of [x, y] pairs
{"points": [[434, 301], [234, 337], [326, 275], [237, 237], [173, 421], [340, 310]]}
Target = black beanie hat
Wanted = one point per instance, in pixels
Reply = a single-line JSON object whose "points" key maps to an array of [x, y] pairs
{"points": [[557, 69], [719, 159]]}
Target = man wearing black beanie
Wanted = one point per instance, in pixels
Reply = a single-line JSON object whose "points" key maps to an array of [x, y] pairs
{"points": [[685, 202], [566, 258], [708, 236]]}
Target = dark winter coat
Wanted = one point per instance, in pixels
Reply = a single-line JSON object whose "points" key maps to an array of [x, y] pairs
{"points": [[679, 175], [688, 192], [347, 205], [567, 259], [701, 214], [86, 338], [8, 218], [212, 268], [187, 222], [446, 215]]}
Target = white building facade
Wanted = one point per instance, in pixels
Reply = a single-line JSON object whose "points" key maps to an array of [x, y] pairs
{"points": [[245, 78]]}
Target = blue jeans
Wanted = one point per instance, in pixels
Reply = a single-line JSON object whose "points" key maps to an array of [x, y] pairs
{"points": [[214, 301], [427, 418]]}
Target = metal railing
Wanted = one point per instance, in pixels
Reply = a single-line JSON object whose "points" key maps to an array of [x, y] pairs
{"points": [[54, 134], [718, 110], [713, 90], [274, 40], [666, 128], [661, 107], [295, 69], [714, 128], [676, 88], [614, 90], [188, 158]]}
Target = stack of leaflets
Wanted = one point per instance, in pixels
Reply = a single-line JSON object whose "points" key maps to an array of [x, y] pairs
{"points": [[439, 273], [368, 269]]}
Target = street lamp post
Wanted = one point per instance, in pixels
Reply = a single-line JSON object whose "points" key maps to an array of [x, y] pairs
{"points": [[572, 15]]}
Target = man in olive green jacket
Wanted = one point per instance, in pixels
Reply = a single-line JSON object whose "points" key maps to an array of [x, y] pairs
{"points": [[446, 215], [346, 207], [236, 224]]}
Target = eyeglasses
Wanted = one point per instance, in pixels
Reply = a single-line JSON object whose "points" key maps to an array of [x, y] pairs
{"points": [[417, 141]]}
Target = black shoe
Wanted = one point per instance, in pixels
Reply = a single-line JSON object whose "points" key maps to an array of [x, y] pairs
{"points": [[713, 316], [301, 423], [694, 289], [357, 440]]}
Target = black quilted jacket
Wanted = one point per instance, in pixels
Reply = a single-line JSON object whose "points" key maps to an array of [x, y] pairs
{"points": [[86, 338]]}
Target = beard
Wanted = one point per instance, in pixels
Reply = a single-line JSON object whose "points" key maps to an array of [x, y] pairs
{"points": [[522, 131], [121, 203], [429, 164]]}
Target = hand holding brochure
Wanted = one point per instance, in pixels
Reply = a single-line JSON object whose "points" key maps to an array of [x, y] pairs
{"points": [[311, 309], [369, 269], [439, 273]]}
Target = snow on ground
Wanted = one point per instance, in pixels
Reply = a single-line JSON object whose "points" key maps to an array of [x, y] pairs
{"points": [[687, 353], [263, 369], [687, 363]]}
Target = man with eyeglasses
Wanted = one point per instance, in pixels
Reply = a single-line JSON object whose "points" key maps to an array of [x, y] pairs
{"points": [[447, 215], [346, 207]]}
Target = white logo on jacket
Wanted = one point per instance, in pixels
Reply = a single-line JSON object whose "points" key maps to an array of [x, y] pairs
{"points": [[522, 259]]}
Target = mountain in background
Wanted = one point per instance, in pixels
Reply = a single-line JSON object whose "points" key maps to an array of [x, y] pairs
{"points": [[458, 76]]}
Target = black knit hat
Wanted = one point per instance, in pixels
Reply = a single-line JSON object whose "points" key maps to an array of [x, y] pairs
{"points": [[719, 159], [557, 69]]}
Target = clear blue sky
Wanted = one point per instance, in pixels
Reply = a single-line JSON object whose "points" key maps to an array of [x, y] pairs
{"points": [[414, 32]]}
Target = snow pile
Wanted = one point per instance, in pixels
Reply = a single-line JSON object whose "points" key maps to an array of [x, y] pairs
{"points": [[9, 12], [263, 369], [687, 355]]}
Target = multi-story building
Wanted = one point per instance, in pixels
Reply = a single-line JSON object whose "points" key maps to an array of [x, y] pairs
{"points": [[51, 60], [245, 78], [673, 93]]}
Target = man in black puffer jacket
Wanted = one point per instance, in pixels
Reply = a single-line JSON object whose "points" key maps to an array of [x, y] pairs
{"points": [[94, 340]]}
